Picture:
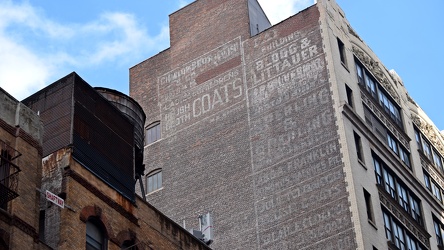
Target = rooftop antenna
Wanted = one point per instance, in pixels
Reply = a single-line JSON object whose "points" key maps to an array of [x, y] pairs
{"points": [[205, 232]]}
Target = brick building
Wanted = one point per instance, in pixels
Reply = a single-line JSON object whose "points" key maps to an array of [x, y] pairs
{"points": [[21, 134], [88, 158], [293, 136]]}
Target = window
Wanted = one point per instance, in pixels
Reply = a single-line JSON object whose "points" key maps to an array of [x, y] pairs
{"points": [[429, 151], [154, 180], [95, 236], [437, 160], [389, 184], [367, 81], [349, 93], [152, 133], [378, 171], [436, 191], [426, 149], [405, 157], [403, 198], [370, 85], [431, 185], [342, 54], [397, 190], [438, 231], [5, 169], [368, 205], [392, 144], [358, 146], [418, 139], [397, 234], [415, 208]]}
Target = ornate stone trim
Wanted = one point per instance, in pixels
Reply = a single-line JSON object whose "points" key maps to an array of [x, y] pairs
{"points": [[408, 222], [410, 99], [377, 71], [430, 132], [386, 121], [353, 32]]}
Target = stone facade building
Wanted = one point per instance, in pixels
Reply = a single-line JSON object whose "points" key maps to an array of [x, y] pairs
{"points": [[76, 186], [293, 136]]}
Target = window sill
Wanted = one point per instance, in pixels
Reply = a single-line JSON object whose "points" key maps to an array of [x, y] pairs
{"points": [[152, 143], [362, 164], [155, 191], [372, 223], [345, 66]]}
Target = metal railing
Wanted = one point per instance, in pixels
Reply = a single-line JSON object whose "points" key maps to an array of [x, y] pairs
{"points": [[9, 173]]}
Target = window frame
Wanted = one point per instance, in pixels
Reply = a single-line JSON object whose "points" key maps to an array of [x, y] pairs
{"points": [[393, 186], [154, 181], [429, 151], [433, 187], [96, 224], [397, 234], [153, 133], [358, 145], [367, 81], [342, 53], [369, 206], [438, 230]]}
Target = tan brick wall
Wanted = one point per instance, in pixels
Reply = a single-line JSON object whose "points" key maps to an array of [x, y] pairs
{"points": [[87, 196]]}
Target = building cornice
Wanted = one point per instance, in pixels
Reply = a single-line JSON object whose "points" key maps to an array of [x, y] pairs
{"points": [[378, 72]]}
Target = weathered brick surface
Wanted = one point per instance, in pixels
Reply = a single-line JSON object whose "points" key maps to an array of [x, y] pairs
{"points": [[21, 131], [248, 130], [87, 196]]}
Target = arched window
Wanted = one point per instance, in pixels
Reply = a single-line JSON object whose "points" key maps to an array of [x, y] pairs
{"points": [[95, 235]]}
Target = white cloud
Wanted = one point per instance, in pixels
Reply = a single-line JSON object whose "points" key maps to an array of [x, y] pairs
{"points": [[21, 71], [278, 10], [35, 49]]}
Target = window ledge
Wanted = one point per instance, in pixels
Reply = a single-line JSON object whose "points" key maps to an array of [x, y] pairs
{"points": [[372, 223], [152, 143], [155, 191], [362, 164], [345, 66]]}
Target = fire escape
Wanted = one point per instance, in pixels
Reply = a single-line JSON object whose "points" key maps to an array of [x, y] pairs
{"points": [[8, 174]]}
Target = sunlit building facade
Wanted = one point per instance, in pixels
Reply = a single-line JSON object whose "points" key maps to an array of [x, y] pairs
{"points": [[293, 136]]}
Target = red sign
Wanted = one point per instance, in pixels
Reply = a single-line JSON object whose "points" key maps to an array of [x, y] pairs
{"points": [[55, 199]]}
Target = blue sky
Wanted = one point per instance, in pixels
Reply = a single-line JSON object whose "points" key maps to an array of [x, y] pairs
{"points": [[42, 41]]}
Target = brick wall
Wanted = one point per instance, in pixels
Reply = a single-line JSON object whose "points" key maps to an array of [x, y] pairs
{"points": [[88, 196], [21, 130], [248, 131]]}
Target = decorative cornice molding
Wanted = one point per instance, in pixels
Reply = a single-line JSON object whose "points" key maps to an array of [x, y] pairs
{"points": [[353, 32], [410, 99], [373, 66], [432, 134]]}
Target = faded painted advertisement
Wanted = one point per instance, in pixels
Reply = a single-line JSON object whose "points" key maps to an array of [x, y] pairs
{"points": [[299, 186]]}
